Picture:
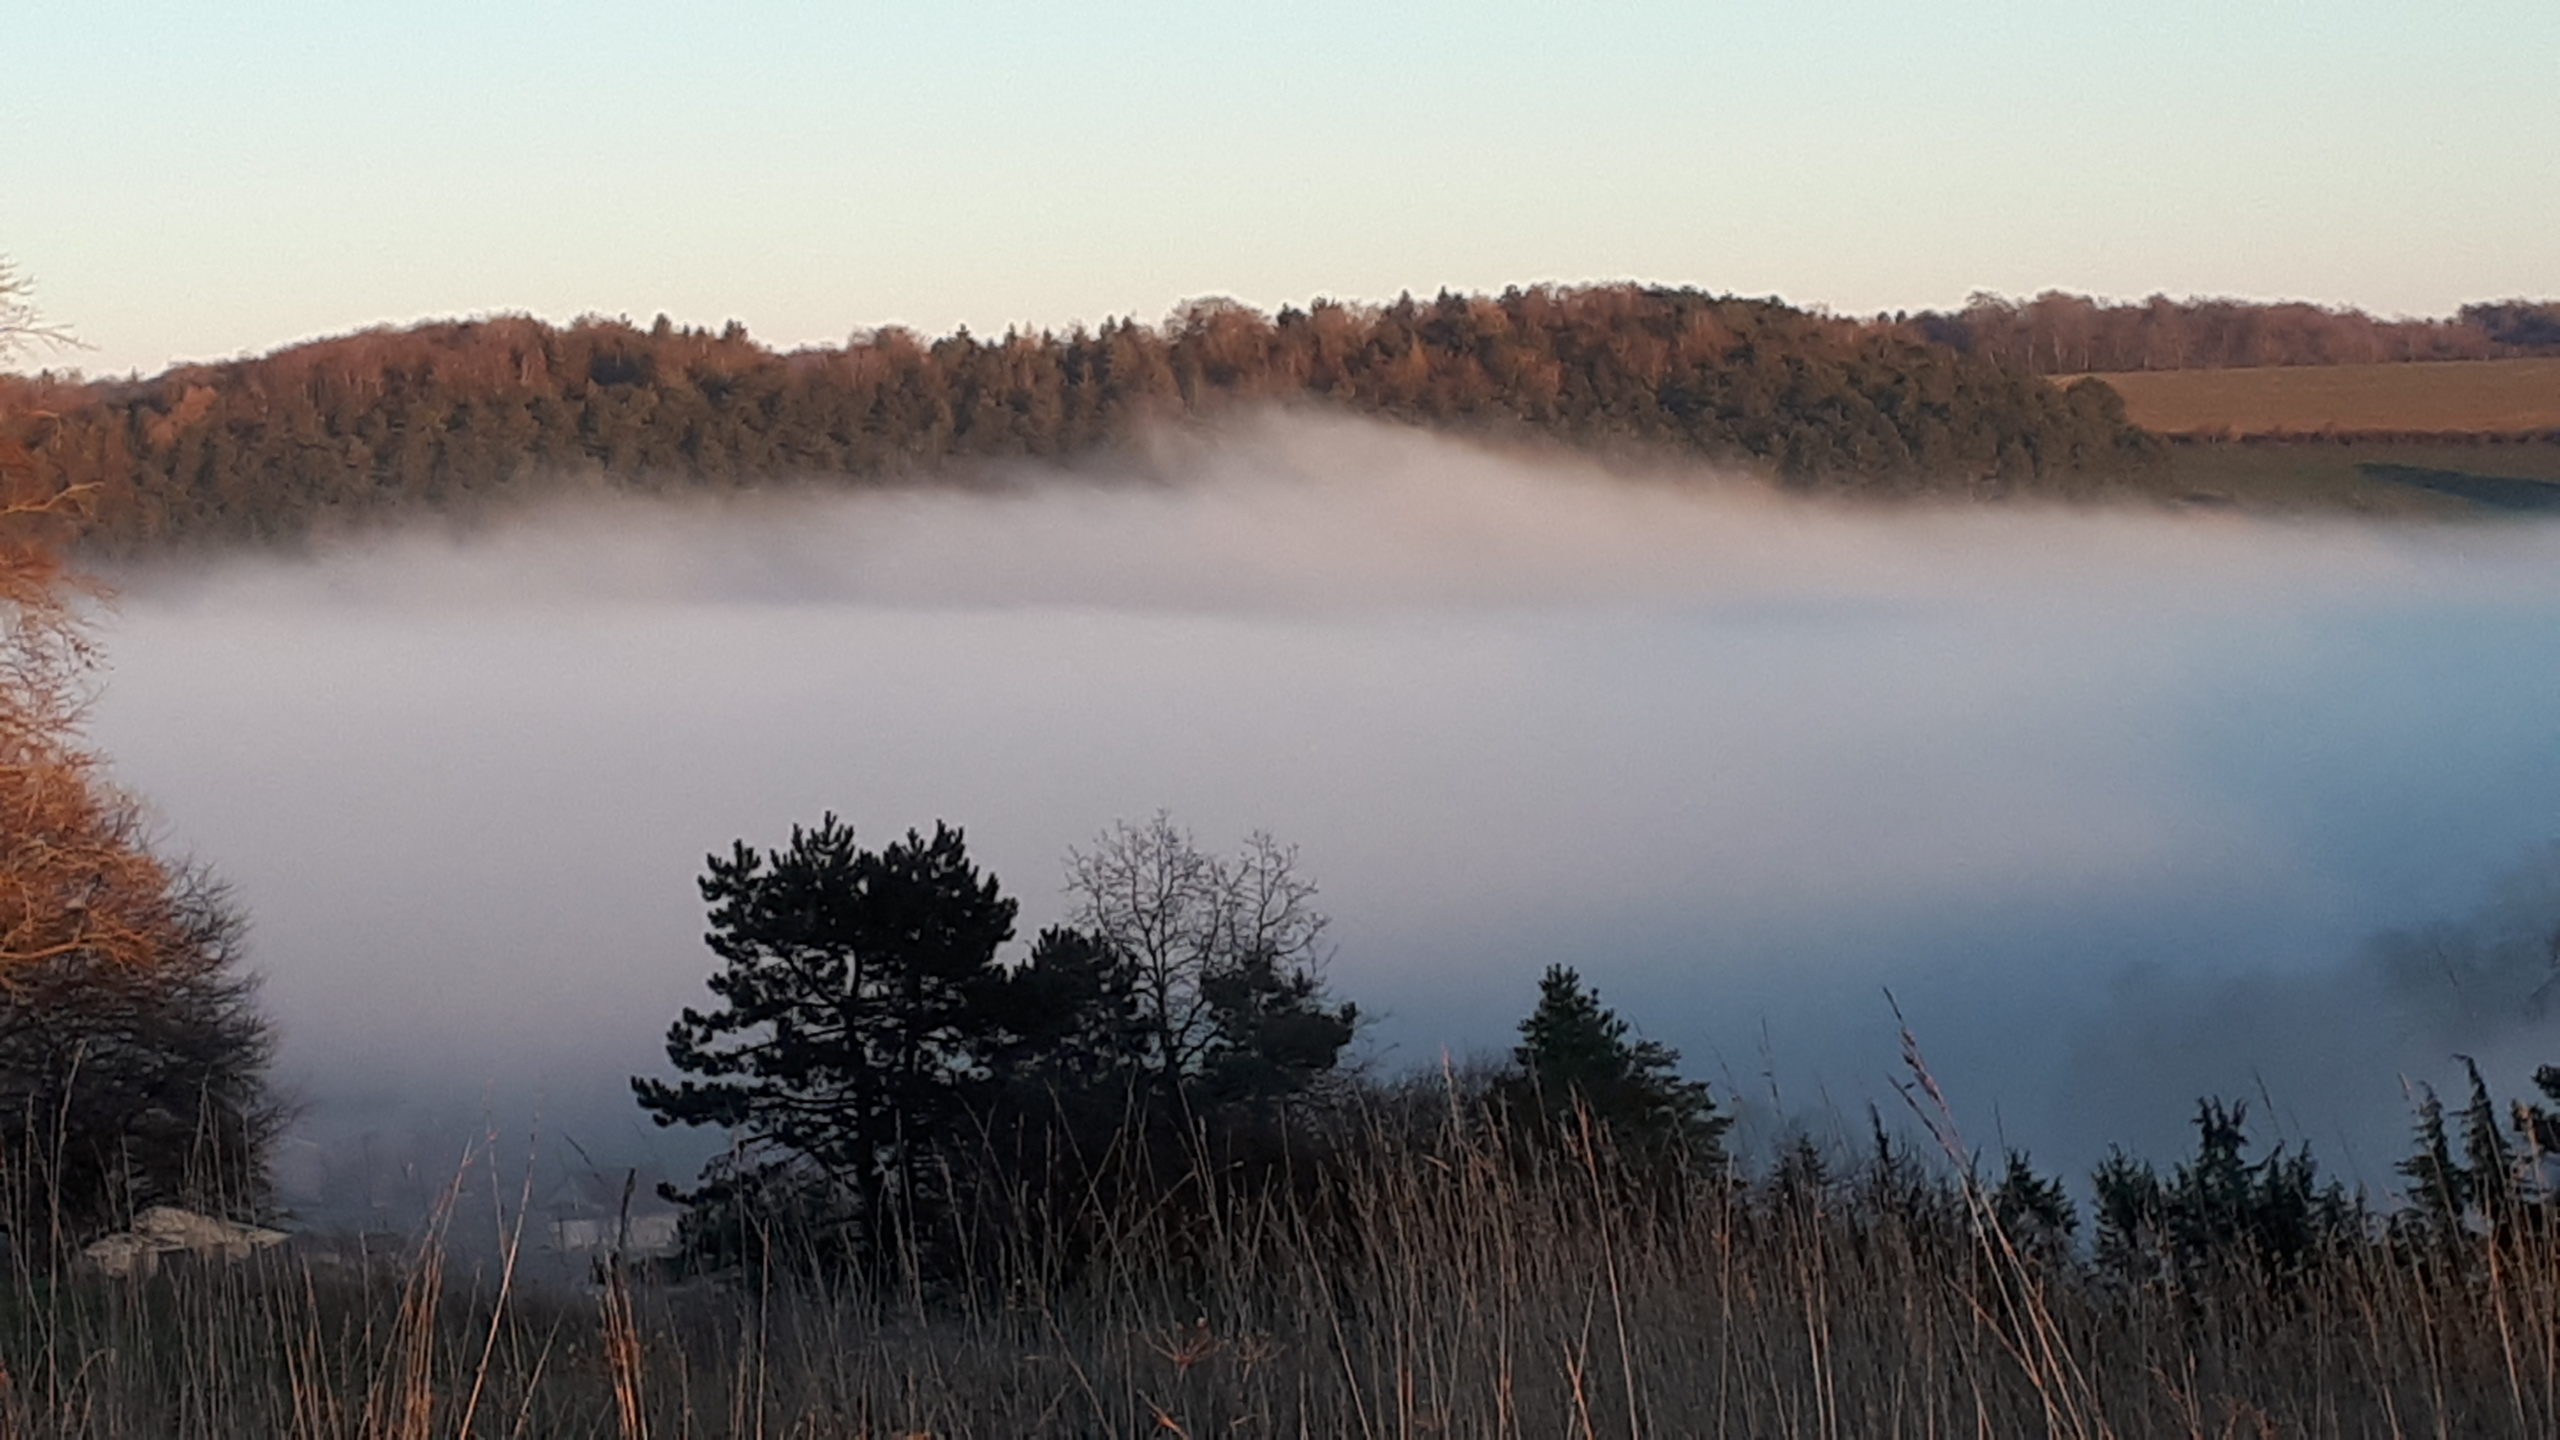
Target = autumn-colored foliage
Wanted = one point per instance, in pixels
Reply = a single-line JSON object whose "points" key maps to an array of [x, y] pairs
{"points": [[72, 878], [131, 1059], [443, 417], [2057, 333]]}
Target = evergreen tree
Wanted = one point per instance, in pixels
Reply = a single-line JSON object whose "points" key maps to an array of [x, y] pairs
{"points": [[2439, 1185], [2498, 1175], [2490, 1160], [892, 1087], [1069, 1018], [2132, 1218], [2220, 1212], [853, 1030], [1576, 1056], [2033, 1208]]}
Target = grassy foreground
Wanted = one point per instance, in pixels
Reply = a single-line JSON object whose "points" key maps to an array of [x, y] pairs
{"points": [[1448, 1286]]}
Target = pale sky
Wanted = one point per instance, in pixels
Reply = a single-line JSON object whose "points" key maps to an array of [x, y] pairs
{"points": [[188, 181]]}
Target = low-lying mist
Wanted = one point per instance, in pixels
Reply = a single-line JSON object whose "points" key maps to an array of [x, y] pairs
{"points": [[2121, 808]]}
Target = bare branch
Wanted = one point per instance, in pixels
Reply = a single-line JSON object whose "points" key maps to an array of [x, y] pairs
{"points": [[22, 326]]}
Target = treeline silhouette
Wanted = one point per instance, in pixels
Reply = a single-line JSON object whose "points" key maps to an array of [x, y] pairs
{"points": [[2058, 333], [1147, 1129], [896, 1094], [902, 1103], [446, 416], [1132, 1184]]}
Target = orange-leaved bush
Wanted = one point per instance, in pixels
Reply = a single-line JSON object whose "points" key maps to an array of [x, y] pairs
{"points": [[133, 1059]]}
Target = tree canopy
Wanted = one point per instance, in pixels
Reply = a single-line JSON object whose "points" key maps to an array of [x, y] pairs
{"points": [[133, 1061], [2057, 333], [887, 1077], [854, 986], [450, 416], [1578, 1058]]}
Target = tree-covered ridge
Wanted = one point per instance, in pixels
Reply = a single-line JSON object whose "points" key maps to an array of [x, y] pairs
{"points": [[448, 415], [2058, 333]]}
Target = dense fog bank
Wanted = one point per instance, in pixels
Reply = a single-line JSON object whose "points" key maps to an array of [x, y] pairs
{"points": [[2121, 808]]}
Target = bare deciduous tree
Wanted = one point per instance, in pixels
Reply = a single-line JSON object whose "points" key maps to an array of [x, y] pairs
{"points": [[22, 326], [132, 1060], [1218, 945]]}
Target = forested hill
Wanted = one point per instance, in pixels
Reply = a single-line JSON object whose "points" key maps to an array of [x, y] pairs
{"points": [[2058, 333], [452, 416]]}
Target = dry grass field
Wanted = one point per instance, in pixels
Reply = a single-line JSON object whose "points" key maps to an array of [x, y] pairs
{"points": [[2445, 479], [2471, 397], [1448, 1287]]}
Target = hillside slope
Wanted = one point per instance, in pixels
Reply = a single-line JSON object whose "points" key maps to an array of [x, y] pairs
{"points": [[448, 417], [2457, 397]]}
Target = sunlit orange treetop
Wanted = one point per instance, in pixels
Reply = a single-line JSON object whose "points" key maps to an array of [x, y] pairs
{"points": [[76, 880]]}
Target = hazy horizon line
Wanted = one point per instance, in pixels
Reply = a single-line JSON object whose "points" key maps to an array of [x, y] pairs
{"points": [[863, 333]]}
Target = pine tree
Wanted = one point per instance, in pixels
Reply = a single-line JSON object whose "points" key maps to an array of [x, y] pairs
{"points": [[2132, 1208], [2438, 1183], [2221, 1211], [2490, 1159], [2033, 1208], [856, 990], [1576, 1056], [1069, 1020]]}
